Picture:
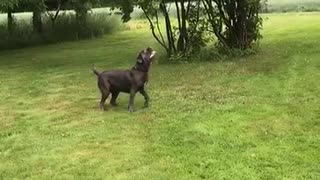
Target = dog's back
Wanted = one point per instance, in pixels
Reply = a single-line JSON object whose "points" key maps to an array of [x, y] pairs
{"points": [[122, 80], [119, 80]]}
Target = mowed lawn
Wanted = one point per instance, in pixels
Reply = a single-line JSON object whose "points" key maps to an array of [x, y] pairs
{"points": [[241, 118]]}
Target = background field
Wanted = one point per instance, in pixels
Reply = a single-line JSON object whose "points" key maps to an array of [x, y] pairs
{"points": [[293, 5], [249, 118], [274, 5], [99, 23]]}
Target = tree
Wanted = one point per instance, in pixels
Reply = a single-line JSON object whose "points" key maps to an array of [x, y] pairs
{"points": [[183, 39], [38, 8], [81, 7], [8, 6], [235, 23], [56, 5], [126, 6]]}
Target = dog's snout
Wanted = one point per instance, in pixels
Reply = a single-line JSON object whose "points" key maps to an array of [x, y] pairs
{"points": [[153, 54]]}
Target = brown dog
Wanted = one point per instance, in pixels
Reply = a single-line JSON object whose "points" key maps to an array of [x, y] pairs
{"points": [[128, 81]]}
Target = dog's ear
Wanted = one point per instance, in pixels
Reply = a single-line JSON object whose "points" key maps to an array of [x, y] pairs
{"points": [[140, 57], [149, 50]]}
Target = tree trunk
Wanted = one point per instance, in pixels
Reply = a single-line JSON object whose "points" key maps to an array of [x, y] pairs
{"points": [[81, 17], [180, 38], [171, 44], [52, 16], [37, 22], [10, 21], [183, 32]]}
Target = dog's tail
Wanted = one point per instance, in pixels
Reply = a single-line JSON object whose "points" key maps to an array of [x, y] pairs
{"points": [[94, 69]]}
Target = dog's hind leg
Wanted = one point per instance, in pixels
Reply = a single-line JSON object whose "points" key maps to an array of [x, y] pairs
{"points": [[104, 97], [114, 98], [104, 89]]}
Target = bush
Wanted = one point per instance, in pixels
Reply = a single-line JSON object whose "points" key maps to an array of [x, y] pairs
{"points": [[236, 24], [66, 28]]}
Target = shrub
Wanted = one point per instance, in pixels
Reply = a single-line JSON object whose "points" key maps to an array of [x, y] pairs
{"points": [[236, 24], [66, 28]]}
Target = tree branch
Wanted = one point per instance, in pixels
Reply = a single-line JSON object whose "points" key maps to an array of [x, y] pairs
{"points": [[153, 31], [158, 27]]}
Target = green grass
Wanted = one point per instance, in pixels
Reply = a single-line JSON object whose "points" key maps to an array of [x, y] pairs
{"points": [[293, 5], [291, 1], [249, 118]]}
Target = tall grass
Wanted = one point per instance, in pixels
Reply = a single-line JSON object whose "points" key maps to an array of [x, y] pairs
{"points": [[66, 28]]}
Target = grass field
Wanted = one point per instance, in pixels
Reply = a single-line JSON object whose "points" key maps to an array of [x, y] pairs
{"points": [[249, 118], [288, 2], [293, 5]]}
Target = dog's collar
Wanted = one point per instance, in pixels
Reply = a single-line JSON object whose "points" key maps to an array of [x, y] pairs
{"points": [[143, 66], [140, 69]]}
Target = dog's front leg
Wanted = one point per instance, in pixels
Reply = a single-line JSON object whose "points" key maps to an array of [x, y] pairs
{"points": [[146, 97], [131, 100]]}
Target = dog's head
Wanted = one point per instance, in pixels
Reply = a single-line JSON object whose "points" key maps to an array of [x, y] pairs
{"points": [[146, 55], [144, 59]]}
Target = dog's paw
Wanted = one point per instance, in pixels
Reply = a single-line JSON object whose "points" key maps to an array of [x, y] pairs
{"points": [[131, 110], [102, 108], [114, 104]]}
